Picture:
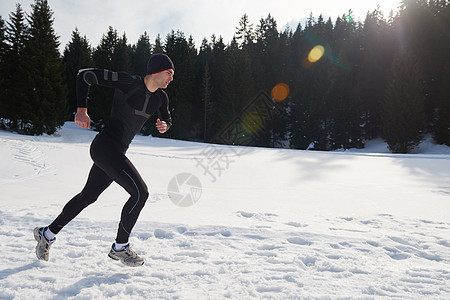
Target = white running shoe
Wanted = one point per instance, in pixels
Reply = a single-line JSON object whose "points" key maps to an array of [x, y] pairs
{"points": [[126, 256], [43, 246]]}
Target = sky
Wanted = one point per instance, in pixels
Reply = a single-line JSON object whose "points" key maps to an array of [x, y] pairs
{"points": [[197, 18]]}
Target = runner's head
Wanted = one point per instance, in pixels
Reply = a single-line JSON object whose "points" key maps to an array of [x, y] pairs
{"points": [[159, 62]]}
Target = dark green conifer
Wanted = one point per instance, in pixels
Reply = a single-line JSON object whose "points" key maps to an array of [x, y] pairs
{"points": [[45, 107], [77, 55], [403, 108]]}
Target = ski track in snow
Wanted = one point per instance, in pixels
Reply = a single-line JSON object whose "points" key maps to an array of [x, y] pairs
{"points": [[30, 157], [213, 262]]}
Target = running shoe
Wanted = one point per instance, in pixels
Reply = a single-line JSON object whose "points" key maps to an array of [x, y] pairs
{"points": [[127, 256], [43, 246]]}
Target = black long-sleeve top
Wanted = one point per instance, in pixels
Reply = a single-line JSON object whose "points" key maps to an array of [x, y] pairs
{"points": [[133, 104]]}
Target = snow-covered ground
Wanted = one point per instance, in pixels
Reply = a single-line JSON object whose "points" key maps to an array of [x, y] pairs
{"points": [[254, 224]]}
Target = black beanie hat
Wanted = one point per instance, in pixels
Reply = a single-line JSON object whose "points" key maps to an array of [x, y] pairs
{"points": [[159, 62]]}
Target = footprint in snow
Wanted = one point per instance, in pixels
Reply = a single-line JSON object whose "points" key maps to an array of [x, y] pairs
{"points": [[295, 224], [299, 241], [162, 234], [395, 253], [444, 243], [257, 216]]}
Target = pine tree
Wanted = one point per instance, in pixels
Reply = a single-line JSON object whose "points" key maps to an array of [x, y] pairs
{"points": [[3, 45], [441, 129], [104, 53], [208, 105], [100, 98], [158, 47], [320, 104], [345, 114], [297, 113], [77, 55], [403, 109], [213, 54], [46, 93], [237, 90], [181, 91], [442, 126], [374, 71], [122, 55], [3, 49], [140, 55], [237, 84], [284, 73], [265, 55], [312, 95], [217, 64], [15, 68], [244, 33], [423, 24]]}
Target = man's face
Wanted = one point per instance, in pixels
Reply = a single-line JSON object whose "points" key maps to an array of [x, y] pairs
{"points": [[164, 78]]}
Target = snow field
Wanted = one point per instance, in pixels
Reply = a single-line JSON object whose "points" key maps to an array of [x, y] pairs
{"points": [[275, 224]]}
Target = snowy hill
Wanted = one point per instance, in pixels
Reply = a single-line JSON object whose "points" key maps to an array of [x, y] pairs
{"points": [[240, 223]]}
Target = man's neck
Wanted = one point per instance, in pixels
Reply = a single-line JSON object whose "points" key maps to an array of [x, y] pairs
{"points": [[150, 84]]}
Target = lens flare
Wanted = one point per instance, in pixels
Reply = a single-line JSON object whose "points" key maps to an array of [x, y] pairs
{"points": [[316, 53], [252, 123], [280, 92], [349, 18]]}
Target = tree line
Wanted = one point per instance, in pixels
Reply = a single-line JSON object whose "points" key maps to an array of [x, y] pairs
{"points": [[344, 82]]}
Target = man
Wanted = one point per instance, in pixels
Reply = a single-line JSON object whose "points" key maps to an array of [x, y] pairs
{"points": [[135, 101]]}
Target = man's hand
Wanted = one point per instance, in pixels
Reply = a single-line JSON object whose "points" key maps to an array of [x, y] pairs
{"points": [[161, 126], [82, 119]]}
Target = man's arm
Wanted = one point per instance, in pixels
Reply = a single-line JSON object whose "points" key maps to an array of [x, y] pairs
{"points": [[103, 77], [164, 120], [84, 80]]}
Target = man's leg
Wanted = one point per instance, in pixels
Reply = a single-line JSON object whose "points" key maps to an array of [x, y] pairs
{"points": [[125, 174], [128, 177], [120, 169], [97, 182], [133, 207], [111, 158]]}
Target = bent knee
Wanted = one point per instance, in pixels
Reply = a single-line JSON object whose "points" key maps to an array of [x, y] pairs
{"points": [[141, 194]]}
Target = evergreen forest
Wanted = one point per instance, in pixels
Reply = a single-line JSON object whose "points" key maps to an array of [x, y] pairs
{"points": [[324, 85]]}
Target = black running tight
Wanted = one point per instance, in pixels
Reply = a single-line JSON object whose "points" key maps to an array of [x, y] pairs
{"points": [[110, 164]]}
